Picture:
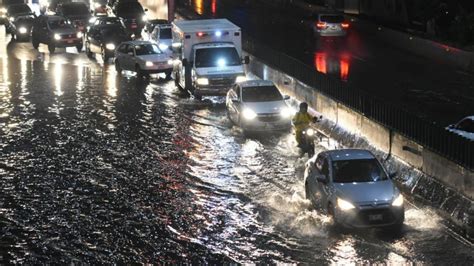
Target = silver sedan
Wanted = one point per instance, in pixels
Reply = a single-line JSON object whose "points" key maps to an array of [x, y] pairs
{"points": [[354, 188]]}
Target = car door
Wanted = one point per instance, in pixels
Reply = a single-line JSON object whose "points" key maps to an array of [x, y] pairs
{"points": [[323, 187]]}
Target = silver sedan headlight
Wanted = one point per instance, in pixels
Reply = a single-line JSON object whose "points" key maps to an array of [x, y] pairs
{"points": [[148, 63], [79, 35], [202, 81], [398, 202], [57, 37], [110, 46], [22, 30], [286, 112], [249, 114], [344, 205]]}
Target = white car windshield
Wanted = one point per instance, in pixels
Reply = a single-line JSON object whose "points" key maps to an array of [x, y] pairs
{"points": [[261, 94], [58, 24], [147, 49], [348, 171]]}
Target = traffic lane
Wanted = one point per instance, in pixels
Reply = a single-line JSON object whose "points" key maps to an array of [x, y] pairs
{"points": [[418, 84]]}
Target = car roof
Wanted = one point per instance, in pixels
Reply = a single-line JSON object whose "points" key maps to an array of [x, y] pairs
{"points": [[256, 83], [349, 154], [138, 42]]}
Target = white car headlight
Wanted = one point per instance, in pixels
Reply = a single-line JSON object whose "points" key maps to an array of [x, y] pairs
{"points": [[344, 205], [145, 18], [240, 79], [57, 37], [202, 81], [170, 62], [12, 19], [398, 201], [149, 64], [79, 35], [163, 46], [310, 132], [110, 46], [92, 20], [249, 114], [285, 112], [22, 30]]}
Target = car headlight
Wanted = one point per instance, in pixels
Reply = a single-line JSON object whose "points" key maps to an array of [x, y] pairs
{"points": [[202, 81], [3, 10], [310, 132], [285, 112], [145, 18], [22, 30], [249, 114], [170, 62], [12, 19], [163, 46], [110, 46], [344, 205], [92, 20], [149, 64], [57, 37], [240, 79], [398, 201], [79, 35]]}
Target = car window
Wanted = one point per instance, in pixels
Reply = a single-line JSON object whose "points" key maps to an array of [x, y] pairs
{"points": [[58, 24], [332, 18], [130, 49], [325, 168], [123, 48], [466, 125], [147, 49], [129, 8], [261, 94], [165, 33], [363, 170]]}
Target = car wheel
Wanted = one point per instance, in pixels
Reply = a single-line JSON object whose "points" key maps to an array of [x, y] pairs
{"points": [[51, 48], [88, 50], [118, 68], [79, 47]]}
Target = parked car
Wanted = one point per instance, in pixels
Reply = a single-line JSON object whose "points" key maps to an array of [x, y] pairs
{"points": [[465, 127], [104, 36], [354, 188], [55, 31], [162, 35], [143, 57], [257, 105], [20, 19], [132, 14], [77, 13], [329, 25]]}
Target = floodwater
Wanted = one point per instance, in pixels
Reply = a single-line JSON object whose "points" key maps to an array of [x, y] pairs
{"points": [[101, 168]]}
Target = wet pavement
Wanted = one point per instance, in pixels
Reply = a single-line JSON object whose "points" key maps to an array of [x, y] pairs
{"points": [[99, 168], [427, 87]]}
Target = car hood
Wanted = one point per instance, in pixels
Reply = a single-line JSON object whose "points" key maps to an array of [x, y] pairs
{"points": [[383, 191], [154, 57], [265, 107], [227, 70], [65, 31]]}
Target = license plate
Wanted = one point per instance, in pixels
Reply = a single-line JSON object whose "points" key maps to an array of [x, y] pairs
{"points": [[70, 41], [376, 217], [134, 26]]}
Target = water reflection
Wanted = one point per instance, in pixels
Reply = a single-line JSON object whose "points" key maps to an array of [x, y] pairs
{"points": [[337, 64]]}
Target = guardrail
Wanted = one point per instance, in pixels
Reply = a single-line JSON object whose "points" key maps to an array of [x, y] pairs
{"points": [[429, 135]]}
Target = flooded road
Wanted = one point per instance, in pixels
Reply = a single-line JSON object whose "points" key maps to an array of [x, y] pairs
{"points": [[100, 168]]}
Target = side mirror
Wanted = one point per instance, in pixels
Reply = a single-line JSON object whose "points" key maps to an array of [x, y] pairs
{"points": [[393, 174], [322, 179], [246, 60], [286, 97]]}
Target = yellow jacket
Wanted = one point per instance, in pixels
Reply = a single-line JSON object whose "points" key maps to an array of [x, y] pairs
{"points": [[301, 121]]}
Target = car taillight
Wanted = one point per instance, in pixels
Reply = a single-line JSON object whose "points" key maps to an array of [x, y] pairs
{"points": [[321, 25], [345, 25]]}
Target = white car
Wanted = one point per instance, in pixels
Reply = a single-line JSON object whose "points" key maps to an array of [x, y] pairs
{"points": [[464, 127], [257, 105], [162, 36], [143, 57]]}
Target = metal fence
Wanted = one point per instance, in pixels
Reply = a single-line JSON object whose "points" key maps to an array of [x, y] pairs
{"points": [[431, 136]]}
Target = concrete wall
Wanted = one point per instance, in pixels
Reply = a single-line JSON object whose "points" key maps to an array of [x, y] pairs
{"points": [[447, 172]]}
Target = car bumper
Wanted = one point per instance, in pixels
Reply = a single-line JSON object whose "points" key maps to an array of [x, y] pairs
{"points": [[157, 69], [67, 42], [257, 125], [368, 218], [339, 33]]}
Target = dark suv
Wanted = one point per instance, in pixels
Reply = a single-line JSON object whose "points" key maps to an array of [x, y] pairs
{"points": [[132, 14], [77, 13], [104, 36], [55, 31], [20, 19]]}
